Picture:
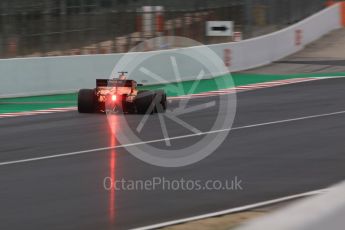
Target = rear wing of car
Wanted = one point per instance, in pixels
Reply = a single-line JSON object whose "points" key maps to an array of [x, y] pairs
{"points": [[102, 82], [114, 83]]}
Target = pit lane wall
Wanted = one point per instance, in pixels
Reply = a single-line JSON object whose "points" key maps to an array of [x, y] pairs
{"points": [[53, 75]]}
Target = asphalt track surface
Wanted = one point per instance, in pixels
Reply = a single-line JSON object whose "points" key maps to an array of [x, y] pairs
{"points": [[272, 160]]}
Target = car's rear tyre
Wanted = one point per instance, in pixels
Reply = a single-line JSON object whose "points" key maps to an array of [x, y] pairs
{"points": [[127, 107], [161, 101], [86, 101], [144, 100]]}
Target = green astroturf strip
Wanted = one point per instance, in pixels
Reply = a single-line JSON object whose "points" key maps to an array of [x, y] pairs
{"points": [[21, 104], [48, 98], [10, 108], [192, 87], [224, 81]]}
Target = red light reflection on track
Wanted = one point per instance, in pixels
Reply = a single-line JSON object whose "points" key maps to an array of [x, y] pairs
{"points": [[113, 121]]}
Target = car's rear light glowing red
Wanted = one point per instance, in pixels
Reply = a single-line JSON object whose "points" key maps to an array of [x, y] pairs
{"points": [[113, 97]]}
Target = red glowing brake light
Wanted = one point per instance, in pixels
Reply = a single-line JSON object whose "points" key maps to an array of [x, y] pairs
{"points": [[113, 97]]}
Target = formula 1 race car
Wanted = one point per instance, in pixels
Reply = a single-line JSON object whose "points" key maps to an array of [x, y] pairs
{"points": [[120, 95]]}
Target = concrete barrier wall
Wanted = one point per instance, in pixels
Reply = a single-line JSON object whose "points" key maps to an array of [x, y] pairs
{"points": [[265, 49], [324, 211], [49, 75]]}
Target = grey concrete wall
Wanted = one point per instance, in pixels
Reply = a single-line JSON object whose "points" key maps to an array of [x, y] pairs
{"points": [[37, 76]]}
